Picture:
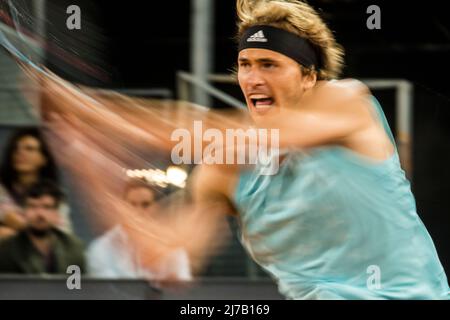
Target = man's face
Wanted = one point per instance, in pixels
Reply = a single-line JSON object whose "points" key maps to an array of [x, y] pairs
{"points": [[140, 198], [270, 80], [41, 213]]}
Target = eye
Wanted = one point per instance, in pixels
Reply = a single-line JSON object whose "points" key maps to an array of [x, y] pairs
{"points": [[244, 65], [268, 65], [145, 204], [30, 148]]}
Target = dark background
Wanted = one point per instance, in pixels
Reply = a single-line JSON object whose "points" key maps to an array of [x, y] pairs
{"points": [[144, 43], [139, 44]]}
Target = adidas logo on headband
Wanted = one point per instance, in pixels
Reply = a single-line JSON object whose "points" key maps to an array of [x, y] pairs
{"points": [[282, 41], [257, 37]]}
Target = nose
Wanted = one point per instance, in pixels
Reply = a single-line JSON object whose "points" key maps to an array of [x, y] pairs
{"points": [[39, 212], [254, 79]]}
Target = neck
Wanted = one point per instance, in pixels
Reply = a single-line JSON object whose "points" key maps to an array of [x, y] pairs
{"points": [[25, 180], [42, 244]]}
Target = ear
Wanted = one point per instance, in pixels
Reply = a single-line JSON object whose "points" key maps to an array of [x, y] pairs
{"points": [[310, 80]]}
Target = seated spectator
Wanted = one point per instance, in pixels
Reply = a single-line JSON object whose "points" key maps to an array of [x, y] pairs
{"points": [[111, 256], [40, 248], [27, 160]]}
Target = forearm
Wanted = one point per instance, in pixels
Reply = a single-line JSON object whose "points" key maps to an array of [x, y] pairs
{"points": [[13, 220]]}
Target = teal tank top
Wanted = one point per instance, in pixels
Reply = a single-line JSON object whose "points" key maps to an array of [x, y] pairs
{"points": [[332, 224]]}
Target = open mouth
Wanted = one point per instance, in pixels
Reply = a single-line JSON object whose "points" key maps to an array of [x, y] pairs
{"points": [[262, 103]]}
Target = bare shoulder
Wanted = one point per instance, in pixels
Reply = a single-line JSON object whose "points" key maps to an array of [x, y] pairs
{"points": [[213, 183], [345, 92], [345, 87], [348, 96], [369, 137]]}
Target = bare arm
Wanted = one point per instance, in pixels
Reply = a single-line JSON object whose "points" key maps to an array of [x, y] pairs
{"points": [[214, 185], [330, 114], [10, 213], [14, 220]]}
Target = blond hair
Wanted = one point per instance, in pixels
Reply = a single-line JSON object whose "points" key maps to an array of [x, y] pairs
{"points": [[297, 17]]}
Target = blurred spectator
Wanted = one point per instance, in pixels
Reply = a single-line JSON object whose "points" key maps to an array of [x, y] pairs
{"points": [[40, 247], [112, 256], [26, 161]]}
